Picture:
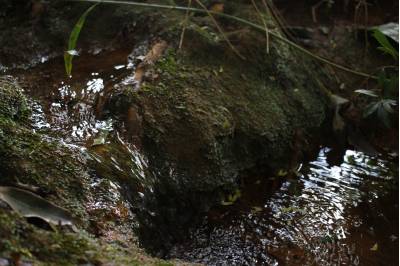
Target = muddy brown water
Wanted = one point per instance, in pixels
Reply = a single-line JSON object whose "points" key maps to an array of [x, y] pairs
{"points": [[344, 214]]}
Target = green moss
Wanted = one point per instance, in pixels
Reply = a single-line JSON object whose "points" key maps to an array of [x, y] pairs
{"points": [[168, 63], [13, 103], [18, 238], [61, 174], [213, 115]]}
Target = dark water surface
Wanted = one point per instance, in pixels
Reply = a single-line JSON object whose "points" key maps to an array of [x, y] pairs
{"points": [[329, 215], [324, 215]]}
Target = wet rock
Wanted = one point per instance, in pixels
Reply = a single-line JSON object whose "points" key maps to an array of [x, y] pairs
{"points": [[203, 124], [60, 174], [13, 104]]}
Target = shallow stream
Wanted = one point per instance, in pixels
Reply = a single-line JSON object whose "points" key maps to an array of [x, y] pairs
{"points": [[323, 214]]}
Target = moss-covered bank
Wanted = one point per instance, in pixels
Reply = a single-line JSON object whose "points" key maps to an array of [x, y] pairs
{"points": [[59, 174]]}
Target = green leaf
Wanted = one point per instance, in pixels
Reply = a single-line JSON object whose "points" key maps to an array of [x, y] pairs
{"points": [[384, 116], [386, 46], [367, 92], [73, 38], [387, 104], [371, 108]]}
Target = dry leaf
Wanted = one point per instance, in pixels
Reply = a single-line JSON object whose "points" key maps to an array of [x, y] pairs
{"points": [[31, 205], [151, 57]]}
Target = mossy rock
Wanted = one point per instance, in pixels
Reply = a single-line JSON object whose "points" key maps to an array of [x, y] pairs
{"points": [[62, 176], [209, 116], [13, 104]]}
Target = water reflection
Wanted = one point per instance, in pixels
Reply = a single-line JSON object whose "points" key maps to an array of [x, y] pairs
{"points": [[309, 220]]}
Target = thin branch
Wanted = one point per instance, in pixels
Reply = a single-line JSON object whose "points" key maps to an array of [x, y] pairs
{"points": [[185, 22], [209, 13], [265, 25]]}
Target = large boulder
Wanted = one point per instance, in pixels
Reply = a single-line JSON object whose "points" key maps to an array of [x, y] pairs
{"points": [[203, 116]]}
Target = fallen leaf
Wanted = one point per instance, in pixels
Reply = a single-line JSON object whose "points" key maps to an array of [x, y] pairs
{"points": [[374, 247], [31, 205], [150, 59]]}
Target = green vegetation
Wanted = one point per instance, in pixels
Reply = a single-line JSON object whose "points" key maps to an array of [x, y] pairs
{"points": [[73, 39], [43, 165], [384, 99]]}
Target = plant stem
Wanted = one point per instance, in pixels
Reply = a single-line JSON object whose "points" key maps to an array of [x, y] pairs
{"points": [[242, 21]]}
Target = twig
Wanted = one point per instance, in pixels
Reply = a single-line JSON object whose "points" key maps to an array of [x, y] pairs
{"points": [[278, 18], [242, 21], [185, 22], [209, 13], [314, 10], [265, 25]]}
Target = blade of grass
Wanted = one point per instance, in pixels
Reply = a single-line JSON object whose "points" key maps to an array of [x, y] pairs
{"points": [[185, 22], [73, 38]]}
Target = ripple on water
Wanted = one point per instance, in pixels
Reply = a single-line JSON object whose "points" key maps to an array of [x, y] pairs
{"points": [[307, 221]]}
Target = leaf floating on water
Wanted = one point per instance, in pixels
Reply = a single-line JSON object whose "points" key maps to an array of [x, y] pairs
{"points": [[31, 205], [374, 247]]}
